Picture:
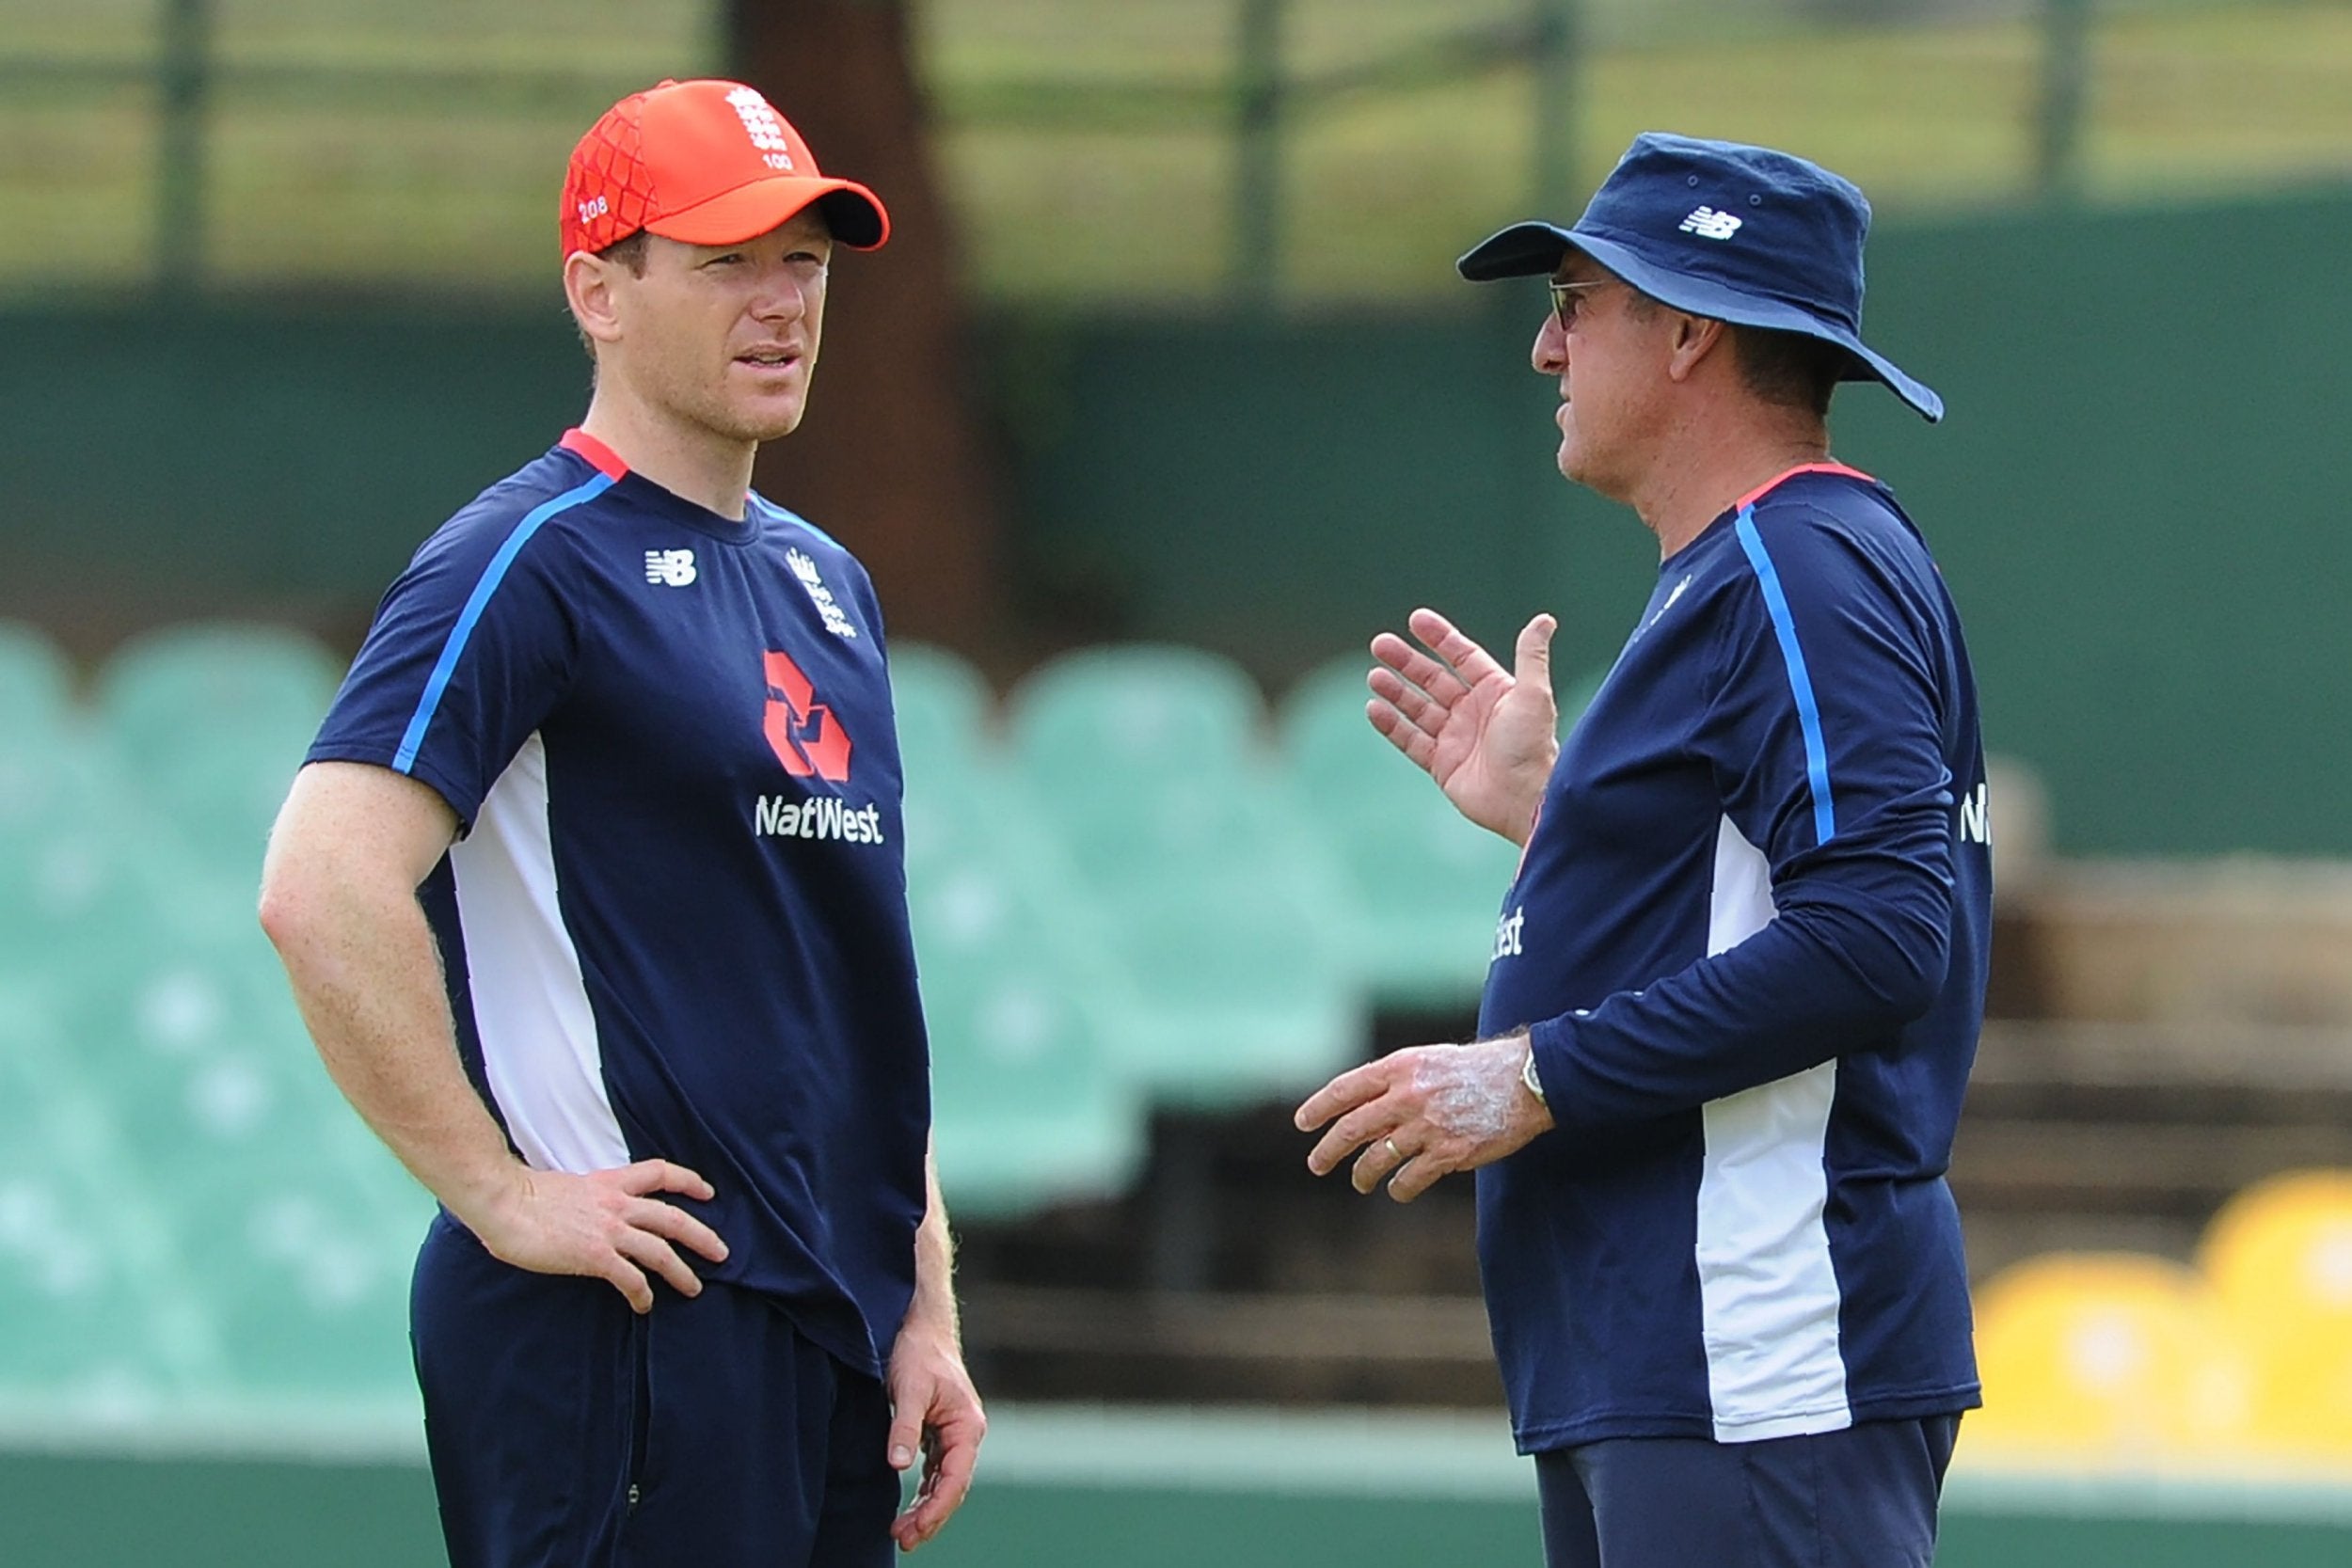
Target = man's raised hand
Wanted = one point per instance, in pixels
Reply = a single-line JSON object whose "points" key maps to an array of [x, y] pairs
{"points": [[1488, 735]]}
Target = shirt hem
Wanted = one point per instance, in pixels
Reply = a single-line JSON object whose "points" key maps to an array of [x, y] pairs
{"points": [[1543, 1438]]}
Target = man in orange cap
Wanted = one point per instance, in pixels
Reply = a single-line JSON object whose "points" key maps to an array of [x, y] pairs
{"points": [[592, 894]]}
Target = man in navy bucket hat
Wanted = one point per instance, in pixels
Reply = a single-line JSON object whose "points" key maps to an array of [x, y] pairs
{"points": [[1739, 976], [1743, 235]]}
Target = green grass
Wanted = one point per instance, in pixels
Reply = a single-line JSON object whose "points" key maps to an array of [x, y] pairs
{"points": [[403, 177]]}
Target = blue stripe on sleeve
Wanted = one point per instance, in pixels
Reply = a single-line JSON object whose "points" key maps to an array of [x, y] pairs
{"points": [[1800, 682], [413, 739]]}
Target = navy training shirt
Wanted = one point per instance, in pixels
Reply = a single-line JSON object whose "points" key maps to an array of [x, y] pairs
{"points": [[675, 925], [1749, 933]]}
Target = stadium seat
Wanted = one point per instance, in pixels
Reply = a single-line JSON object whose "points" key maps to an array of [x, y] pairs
{"points": [[1147, 760], [36, 685], [1029, 1106], [2106, 1357], [206, 725], [942, 705], [77, 1317], [2279, 1257], [1136, 710], [1424, 885], [1215, 900], [78, 870], [959, 798], [200, 1056], [1240, 995], [304, 1279], [297, 1228], [206, 675]]}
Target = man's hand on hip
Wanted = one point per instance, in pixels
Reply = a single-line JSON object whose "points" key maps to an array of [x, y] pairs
{"points": [[606, 1224], [1423, 1113], [933, 1406], [1488, 735]]}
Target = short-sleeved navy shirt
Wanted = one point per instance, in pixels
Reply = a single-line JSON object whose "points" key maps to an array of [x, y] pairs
{"points": [[675, 922], [1748, 941]]}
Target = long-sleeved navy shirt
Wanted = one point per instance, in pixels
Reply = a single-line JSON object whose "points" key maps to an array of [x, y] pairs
{"points": [[1749, 934]]}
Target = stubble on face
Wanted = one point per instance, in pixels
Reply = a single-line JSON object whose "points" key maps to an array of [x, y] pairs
{"points": [[704, 312], [1603, 398]]}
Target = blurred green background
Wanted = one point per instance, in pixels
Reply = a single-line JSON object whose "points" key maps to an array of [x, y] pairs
{"points": [[277, 294]]}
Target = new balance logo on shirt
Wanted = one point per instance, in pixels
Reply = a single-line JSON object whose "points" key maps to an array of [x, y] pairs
{"points": [[671, 568]]}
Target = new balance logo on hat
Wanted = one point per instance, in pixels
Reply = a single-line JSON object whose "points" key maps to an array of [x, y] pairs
{"points": [[673, 568], [1802, 273], [1709, 224]]}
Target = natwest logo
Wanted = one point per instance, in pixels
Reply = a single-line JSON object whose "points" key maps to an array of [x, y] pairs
{"points": [[1507, 934], [817, 816], [806, 738]]}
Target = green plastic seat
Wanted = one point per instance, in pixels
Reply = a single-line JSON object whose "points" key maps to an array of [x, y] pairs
{"points": [[202, 1060], [73, 1320], [942, 705], [36, 685], [1027, 1088], [1239, 996], [1423, 885], [1026, 1111], [1148, 765], [1213, 897], [206, 725], [79, 871], [214, 675], [306, 1283], [1134, 711], [962, 807], [77, 1320], [1030, 1104], [296, 1229]]}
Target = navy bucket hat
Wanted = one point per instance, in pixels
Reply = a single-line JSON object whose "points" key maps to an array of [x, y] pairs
{"points": [[1740, 235]]}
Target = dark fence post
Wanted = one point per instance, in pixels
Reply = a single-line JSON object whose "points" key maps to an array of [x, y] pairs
{"points": [[184, 76], [1558, 46], [2065, 90], [1257, 252]]}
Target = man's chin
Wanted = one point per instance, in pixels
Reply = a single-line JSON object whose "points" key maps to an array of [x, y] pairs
{"points": [[765, 424]]}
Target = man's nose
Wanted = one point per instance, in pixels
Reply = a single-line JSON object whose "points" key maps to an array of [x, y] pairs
{"points": [[781, 296], [1550, 353]]}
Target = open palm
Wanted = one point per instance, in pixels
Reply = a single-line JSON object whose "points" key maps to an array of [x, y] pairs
{"points": [[1486, 734]]}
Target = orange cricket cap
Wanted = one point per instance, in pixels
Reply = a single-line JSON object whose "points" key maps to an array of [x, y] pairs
{"points": [[707, 163]]}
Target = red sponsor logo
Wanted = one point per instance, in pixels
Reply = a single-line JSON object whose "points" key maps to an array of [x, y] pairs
{"points": [[807, 738]]}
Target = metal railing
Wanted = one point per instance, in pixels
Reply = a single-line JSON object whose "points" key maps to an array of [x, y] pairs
{"points": [[1262, 98]]}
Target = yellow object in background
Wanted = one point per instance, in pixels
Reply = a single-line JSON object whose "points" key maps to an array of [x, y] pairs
{"points": [[2280, 1258], [2106, 1357]]}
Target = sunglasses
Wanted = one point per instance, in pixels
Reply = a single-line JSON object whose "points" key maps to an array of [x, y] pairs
{"points": [[1565, 297]]}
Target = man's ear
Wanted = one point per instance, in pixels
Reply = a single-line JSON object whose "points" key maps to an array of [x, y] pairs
{"points": [[1693, 339], [590, 286]]}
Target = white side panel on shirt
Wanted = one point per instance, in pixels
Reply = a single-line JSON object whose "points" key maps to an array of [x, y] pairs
{"points": [[1768, 1295], [539, 1046]]}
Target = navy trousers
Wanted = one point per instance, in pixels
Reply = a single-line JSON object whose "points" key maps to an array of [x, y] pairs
{"points": [[566, 1431], [1865, 1497]]}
